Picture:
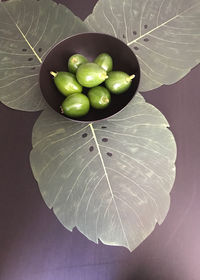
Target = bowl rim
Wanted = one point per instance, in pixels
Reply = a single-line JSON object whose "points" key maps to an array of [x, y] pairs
{"points": [[76, 35]]}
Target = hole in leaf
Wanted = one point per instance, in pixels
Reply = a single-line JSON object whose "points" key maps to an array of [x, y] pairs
{"points": [[136, 48], [109, 154], [105, 140], [40, 49], [30, 58], [33, 68], [104, 127], [91, 148], [145, 26], [124, 36], [146, 39], [84, 135], [134, 33], [24, 50]]}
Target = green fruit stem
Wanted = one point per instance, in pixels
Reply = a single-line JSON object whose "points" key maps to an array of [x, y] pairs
{"points": [[61, 109], [105, 76], [54, 73], [105, 100], [130, 78], [74, 59]]}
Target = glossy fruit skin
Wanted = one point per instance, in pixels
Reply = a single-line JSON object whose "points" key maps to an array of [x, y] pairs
{"points": [[99, 97], [105, 61], [66, 83], [75, 61], [90, 75], [118, 82], [76, 105]]}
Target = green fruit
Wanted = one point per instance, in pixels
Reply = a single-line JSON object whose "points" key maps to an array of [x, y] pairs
{"points": [[99, 97], [105, 61], [90, 75], [118, 81], [75, 105], [66, 83], [75, 61]]}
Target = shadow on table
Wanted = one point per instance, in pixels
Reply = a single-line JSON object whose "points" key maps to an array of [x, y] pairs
{"points": [[159, 269]]}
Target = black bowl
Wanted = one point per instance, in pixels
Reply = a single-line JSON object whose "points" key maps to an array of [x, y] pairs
{"points": [[89, 45]]}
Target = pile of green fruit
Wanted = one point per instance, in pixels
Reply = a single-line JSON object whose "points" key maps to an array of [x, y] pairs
{"points": [[90, 75]]}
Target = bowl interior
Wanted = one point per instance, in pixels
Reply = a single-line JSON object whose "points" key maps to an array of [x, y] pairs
{"points": [[89, 45]]}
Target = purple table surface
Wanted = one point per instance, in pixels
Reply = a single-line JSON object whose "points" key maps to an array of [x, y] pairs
{"points": [[35, 246]]}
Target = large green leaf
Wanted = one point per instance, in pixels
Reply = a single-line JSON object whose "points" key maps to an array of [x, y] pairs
{"points": [[28, 29], [165, 35], [110, 179]]}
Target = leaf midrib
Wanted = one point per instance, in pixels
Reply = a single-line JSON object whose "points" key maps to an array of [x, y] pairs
{"points": [[108, 181], [22, 34], [164, 23]]}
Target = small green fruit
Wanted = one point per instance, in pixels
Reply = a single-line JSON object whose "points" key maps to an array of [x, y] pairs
{"points": [[90, 75], [118, 82], [99, 97], [75, 105], [66, 83], [105, 61], [75, 61]]}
